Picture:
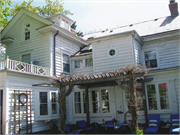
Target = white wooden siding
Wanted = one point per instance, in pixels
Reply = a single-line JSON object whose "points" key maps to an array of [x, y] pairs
{"points": [[24, 82], [38, 44], [102, 62], [168, 51], [177, 82], [137, 51], [62, 46]]}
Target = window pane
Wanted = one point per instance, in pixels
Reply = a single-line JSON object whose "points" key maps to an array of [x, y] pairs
{"points": [[163, 93], [95, 99], [89, 62], [54, 110], [78, 63], [43, 97], [43, 103], [77, 97], [77, 107], [150, 59], [26, 58], [152, 97], [105, 101], [43, 109], [66, 61]]}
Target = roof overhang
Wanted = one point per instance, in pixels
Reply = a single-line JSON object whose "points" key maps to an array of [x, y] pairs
{"points": [[62, 32], [116, 35], [7, 40]]}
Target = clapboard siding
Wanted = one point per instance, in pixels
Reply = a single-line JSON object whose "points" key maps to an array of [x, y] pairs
{"points": [[103, 62], [38, 42], [65, 46], [22, 83], [168, 51], [177, 93]]}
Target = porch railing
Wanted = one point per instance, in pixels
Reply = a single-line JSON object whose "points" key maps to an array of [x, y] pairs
{"points": [[19, 66]]}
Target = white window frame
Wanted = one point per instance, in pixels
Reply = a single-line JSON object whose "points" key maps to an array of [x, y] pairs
{"points": [[63, 63], [88, 59], [49, 116], [159, 110], [81, 64], [157, 57]]}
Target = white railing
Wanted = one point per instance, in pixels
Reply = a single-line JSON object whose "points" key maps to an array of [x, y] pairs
{"points": [[24, 67]]}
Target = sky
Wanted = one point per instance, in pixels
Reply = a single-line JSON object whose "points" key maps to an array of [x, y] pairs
{"points": [[96, 15]]}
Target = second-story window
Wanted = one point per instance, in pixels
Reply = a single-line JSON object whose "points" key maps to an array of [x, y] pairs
{"points": [[89, 62], [26, 58], [27, 32], [150, 59], [78, 64], [66, 63]]}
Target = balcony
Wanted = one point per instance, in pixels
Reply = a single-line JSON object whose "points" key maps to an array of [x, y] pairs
{"points": [[17, 66]]}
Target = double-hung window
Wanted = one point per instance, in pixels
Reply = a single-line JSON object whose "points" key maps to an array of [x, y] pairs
{"points": [[89, 62], [77, 102], [53, 103], [26, 58], [66, 63], [158, 98], [43, 100], [78, 63], [150, 59]]}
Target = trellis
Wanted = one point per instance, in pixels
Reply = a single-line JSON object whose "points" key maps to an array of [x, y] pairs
{"points": [[123, 76]]}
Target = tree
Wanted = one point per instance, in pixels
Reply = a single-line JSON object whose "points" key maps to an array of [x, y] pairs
{"points": [[5, 13], [52, 7], [73, 26]]}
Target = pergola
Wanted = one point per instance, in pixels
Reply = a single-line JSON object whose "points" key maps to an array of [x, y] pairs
{"points": [[122, 77]]}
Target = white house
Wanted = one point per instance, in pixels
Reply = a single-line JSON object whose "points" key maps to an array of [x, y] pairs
{"points": [[39, 48]]}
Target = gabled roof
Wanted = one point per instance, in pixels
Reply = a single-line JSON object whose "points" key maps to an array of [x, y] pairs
{"points": [[18, 15], [145, 28]]}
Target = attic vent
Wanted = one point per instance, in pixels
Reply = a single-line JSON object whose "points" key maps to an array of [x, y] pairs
{"points": [[130, 25], [155, 19], [111, 31]]}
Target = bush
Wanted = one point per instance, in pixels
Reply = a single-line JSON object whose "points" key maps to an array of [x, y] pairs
{"points": [[139, 131]]}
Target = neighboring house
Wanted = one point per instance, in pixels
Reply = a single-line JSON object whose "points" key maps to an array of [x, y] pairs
{"points": [[39, 48]]}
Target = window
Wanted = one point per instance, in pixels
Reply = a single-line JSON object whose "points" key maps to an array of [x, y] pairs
{"points": [[112, 52], [158, 96], [95, 101], [100, 101], [78, 64], [163, 94], [43, 103], [150, 59], [66, 63], [26, 58], [89, 62], [65, 24], [77, 102], [27, 32], [53, 103]]}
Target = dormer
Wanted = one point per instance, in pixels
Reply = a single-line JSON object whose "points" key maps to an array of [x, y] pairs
{"points": [[61, 20]]}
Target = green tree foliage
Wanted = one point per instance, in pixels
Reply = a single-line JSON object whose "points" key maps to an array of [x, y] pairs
{"points": [[4, 12], [52, 7], [73, 26]]}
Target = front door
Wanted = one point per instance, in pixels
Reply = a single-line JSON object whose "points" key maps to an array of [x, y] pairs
{"points": [[1, 107]]}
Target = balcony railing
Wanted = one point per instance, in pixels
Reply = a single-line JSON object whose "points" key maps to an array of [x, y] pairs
{"points": [[18, 66]]}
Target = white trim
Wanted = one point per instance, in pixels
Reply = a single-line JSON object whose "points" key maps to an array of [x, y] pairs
{"points": [[157, 57], [108, 51]]}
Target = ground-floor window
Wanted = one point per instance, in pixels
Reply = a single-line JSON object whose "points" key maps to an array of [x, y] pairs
{"points": [[98, 100], [157, 96]]}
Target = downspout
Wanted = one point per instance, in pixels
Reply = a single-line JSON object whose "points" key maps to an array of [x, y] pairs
{"points": [[55, 52]]}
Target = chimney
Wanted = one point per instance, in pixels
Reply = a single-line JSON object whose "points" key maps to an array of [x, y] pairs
{"points": [[173, 7]]}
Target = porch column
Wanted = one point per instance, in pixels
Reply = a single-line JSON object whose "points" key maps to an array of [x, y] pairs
{"points": [[144, 101], [87, 106]]}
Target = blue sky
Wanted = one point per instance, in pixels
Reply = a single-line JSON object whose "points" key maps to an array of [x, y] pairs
{"points": [[96, 15]]}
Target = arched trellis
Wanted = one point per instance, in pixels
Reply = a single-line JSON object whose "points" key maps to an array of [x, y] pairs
{"points": [[125, 76]]}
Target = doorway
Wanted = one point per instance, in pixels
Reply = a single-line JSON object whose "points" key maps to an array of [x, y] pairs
{"points": [[1, 109]]}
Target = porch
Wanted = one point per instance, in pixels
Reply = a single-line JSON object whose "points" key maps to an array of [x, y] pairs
{"points": [[22, 67]]}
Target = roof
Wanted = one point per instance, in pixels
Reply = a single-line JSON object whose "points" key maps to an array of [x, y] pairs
{"points": [[145, 28], [86, 50]]}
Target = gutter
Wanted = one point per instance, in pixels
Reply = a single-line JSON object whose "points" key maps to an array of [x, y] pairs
{"points": [[55, 52]]}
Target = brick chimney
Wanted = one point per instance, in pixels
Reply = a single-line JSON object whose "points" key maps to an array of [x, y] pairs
{"points": [[173, 7]]}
